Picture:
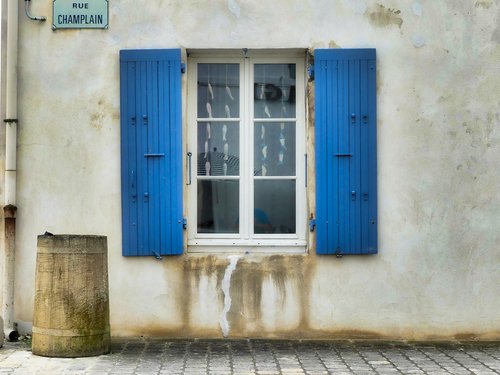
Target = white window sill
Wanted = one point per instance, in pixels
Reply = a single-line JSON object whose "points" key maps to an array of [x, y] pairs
{"points": [[214, 246]]}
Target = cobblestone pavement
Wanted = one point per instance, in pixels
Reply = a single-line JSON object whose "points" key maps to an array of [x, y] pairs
{"points": [[263, 357]]}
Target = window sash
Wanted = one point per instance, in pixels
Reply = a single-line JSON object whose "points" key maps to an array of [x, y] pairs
{"points": [[246, 239]]}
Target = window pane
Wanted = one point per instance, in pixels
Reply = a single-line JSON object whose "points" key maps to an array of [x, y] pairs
{"points": [[274, 149], [218, 90], [274, 210], [218, 206], [274, 90], [218, 149]]}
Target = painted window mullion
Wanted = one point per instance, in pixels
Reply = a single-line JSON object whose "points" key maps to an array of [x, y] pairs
{"points": [[247, 183]]}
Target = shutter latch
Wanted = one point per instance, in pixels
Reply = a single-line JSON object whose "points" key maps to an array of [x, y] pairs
{"points": [[312, 223], [338, 252], [184, 223], [310, 70]]}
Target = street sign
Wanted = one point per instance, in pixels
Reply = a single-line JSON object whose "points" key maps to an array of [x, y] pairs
{"points": [[88, 14]]}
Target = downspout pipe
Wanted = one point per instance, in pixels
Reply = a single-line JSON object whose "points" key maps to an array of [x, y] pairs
{"points": [[10, 206], [28, 14]]}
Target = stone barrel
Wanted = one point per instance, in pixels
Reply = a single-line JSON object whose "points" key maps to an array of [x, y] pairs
{"points": [[71, 312]]}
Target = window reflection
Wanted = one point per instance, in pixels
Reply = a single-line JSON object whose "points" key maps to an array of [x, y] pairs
{"points": [[274, 91], [274, 149], [218, 90], [218, 206], [274, 210], [218, 148]]}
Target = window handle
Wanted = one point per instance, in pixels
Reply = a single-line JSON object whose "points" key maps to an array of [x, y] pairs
{"points": [[189, 154]]}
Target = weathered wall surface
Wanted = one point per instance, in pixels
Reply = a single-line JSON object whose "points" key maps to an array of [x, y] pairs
{"points": [[3, 53], [437, 273]]}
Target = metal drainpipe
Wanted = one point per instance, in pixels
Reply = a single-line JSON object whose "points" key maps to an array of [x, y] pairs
{"points": [[10, 168]]}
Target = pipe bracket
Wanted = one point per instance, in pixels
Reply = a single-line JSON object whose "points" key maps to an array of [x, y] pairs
{"points": [[29, 15]]}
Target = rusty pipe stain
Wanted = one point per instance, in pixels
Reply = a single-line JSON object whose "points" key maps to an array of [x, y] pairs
{"points": [[9, 264]]}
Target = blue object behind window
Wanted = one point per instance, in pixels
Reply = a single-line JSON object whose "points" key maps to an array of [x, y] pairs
{"points": [[151, 142], [346, 154]]}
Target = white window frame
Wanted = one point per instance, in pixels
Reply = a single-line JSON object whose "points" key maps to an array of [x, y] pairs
{"points": [[245, 241]]}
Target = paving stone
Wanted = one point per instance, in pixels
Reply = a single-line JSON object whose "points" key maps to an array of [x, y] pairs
{"points": [[268, 357]]}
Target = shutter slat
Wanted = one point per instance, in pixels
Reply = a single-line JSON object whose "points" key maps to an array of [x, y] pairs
{"points": [[355, 161], [372, 155], [322, 172], [332, 138], [153, 163], [343, 148], [128, 145], [164, 140], [142, 165], [346, 151], [364, 156], [176, 142]]}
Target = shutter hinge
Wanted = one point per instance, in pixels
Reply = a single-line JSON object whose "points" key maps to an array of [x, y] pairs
{"points": [[310, 70], [183, 68], [338, 252], [312, 224], [157, 255], [184, 223]]}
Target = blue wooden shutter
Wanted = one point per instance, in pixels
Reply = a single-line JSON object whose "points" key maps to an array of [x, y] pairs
{"points": [[346, 151], [151, 148]]}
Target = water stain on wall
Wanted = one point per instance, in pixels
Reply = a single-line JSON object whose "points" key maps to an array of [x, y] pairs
{"points": [[247, 288], [483, 4], [495, 37], [333, 44], [381, 16], [97, 118], [287, 273]]}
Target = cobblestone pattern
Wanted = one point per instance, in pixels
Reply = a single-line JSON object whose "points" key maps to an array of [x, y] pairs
{"points": [[263, 357]]}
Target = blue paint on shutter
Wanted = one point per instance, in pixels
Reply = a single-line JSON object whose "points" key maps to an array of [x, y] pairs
{"points": [[346, 151], [151, 147]]}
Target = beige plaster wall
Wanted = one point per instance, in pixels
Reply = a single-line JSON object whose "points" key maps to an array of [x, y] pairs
{"points": [[437, 274]]}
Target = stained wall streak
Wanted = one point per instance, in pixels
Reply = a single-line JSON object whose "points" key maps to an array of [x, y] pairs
{"points": [[226, 287]]}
